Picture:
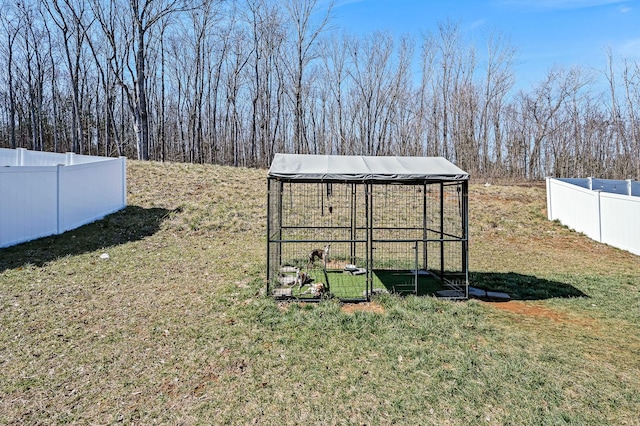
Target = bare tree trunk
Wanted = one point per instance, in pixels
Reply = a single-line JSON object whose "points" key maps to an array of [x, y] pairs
{"points": [[498, 82], [54, 91], [306, 34], [68, 17], [631, 77], [141, 112], [11, 30]]}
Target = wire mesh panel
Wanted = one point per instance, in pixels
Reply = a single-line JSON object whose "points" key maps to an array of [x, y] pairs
{"points": [[317, 231], [419, 234], [447, 237], [397, 225], [318, 211]]}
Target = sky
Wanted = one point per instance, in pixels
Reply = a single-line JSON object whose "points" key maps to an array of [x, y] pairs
{"points": [[545, 33]]}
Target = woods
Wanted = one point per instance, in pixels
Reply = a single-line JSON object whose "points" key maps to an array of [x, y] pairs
{"points": [[233, 82]]}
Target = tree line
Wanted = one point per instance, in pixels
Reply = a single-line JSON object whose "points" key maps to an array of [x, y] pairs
{"points": [[236, 81]]}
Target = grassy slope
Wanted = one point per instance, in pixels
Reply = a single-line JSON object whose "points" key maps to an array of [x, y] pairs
{"points": [[174, 327]]}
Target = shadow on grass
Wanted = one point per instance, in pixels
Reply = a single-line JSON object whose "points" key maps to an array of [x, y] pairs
{"points": [[130, 224], [404, 283], [518, 286], [523, 287]]}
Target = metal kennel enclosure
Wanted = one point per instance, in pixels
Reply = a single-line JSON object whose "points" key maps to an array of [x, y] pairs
{"points": [[396, 224]]}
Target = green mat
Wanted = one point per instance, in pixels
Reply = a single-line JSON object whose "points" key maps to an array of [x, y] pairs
{"points": [[347, 287]]}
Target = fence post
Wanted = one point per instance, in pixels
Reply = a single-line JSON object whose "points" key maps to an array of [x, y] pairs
{"points": [[20, 156], [123, 162], [629, 192], [70, 158], [599, 213], [590, 181], [549, 199], [58, 198]]}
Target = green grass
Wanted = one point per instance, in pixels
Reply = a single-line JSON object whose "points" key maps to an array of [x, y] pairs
{"points": [[175, 328]]}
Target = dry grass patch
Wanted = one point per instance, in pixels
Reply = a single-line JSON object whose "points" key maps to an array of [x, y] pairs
{"points": [[538, 311], [371, 307]]}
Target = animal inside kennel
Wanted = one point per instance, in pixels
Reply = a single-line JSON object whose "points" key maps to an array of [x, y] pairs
{"points": [[353, 226]]}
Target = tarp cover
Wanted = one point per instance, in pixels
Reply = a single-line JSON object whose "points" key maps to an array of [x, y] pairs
{"points": [[351, 168]]}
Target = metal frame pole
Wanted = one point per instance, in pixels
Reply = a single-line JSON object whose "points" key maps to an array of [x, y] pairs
{"points": [[465, 235], [425, 221], [369, 215], [442, 230]]}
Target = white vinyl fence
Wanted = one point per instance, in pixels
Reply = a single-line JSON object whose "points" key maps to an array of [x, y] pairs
{"points": [[44, 193], [607, 211]]}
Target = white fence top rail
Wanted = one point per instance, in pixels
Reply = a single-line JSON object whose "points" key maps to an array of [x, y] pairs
{"points": [[22, 157], [622, 187]]}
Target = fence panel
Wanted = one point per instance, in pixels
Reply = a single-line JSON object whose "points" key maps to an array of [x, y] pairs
{"points": [[89, 192], [44, 193], [574, 207], [619, 221], [29, 203], [602, 214]]}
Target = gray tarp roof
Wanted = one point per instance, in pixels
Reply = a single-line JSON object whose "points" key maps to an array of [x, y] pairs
{"points": [[363, 168]]}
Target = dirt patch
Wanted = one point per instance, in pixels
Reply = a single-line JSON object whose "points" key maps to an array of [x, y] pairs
{"points": [[537, 311], [373, 307], [528, 309]]}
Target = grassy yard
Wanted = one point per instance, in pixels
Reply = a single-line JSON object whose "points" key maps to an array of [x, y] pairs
{"points": [[174, 328]]}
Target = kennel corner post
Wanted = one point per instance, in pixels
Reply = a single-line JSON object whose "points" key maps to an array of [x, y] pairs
{"points": [[416, 271], [465, 235], [269, 212], [425, 225], [442, 255], [268, 234], [368, 207], [274, 189]]}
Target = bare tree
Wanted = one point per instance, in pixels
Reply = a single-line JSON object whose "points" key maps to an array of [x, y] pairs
{"points": [[631, 82], [33, 75], [372, 76], [497, 84], [452, 67], [336, 75], [306, 33], [266, 24], [542, 111], [68, 16], [143, 15], [10, 25]]}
